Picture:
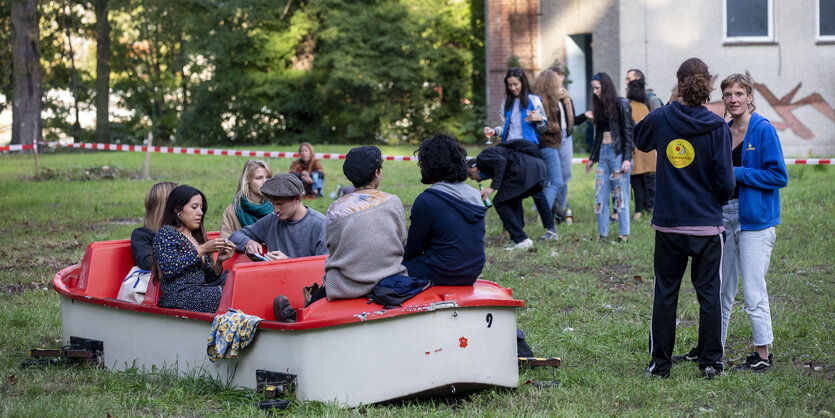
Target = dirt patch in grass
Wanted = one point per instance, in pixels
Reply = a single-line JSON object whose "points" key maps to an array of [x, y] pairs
{"points": [[14, 289], [816, 368], [619, 277], [125, 221]]}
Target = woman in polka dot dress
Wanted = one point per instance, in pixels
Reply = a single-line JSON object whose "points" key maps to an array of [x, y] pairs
{"points": [[191, 279]]}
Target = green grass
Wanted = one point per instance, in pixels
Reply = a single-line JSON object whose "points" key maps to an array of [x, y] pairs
{"points": [[587, 302]]}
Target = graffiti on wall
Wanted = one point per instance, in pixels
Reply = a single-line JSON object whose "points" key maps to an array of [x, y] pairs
{"points": [[785, 107]]}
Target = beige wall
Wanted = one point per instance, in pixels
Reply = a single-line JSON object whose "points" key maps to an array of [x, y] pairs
{"points": [[677, 30], [560, 18]]}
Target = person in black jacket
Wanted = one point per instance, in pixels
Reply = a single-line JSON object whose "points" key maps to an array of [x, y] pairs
{"points": [[613, 151], [446, 236], [142, 238], [517, 171], [694, 178]]}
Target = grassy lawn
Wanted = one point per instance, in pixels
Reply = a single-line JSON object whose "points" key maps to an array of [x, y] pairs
{"points": [[587, 302]]}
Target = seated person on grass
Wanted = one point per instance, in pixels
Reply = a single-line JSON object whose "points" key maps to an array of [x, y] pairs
{"points": [[446, 236], [292, 230]]}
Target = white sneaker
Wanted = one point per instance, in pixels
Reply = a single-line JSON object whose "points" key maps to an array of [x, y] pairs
{"points": [[523, 245]]}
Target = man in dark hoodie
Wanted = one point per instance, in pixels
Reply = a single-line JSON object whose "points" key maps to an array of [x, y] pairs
{"points": [[517, 171], [694, 178], [446, 236]]}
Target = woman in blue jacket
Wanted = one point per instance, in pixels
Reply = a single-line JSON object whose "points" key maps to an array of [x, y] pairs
{"points": [[523, 116], [446, 236], [751, 215]]}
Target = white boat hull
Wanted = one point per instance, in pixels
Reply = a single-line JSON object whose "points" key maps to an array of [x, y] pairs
{"points": [[352, 364]]}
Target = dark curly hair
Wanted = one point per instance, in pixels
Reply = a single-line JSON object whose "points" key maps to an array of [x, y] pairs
{"points": [[635, 91], [694, 82], [441, 158]]}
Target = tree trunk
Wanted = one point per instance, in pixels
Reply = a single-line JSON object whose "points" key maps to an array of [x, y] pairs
{"points": [[26, 107], [76, 127], [102, 72]]}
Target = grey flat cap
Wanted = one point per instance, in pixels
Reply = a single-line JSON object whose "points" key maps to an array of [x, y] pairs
{"points": [[283, 185]]}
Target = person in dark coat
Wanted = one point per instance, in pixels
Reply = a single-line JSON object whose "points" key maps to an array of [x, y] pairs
{"points": [[517, 171], [446, 236]]}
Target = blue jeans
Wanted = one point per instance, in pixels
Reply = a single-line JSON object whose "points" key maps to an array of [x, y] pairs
{"points": [[554, 183], [746, 254], [566, 155], [618, 188]]}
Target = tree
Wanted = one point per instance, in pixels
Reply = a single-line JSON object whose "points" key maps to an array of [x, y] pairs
{"points": [[26, 107], [102, 71]]}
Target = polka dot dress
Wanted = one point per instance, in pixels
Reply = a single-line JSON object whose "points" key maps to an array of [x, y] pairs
{"points": [[186, 283]]}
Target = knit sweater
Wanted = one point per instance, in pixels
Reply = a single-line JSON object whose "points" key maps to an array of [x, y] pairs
{"points": [[365, 247]]}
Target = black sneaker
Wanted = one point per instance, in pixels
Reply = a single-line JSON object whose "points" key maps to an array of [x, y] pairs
{"points": [[755, 363], [709, 373], [653, 372], [691, 356]]}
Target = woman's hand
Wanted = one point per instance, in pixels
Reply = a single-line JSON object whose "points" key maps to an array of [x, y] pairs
{"points": [[626, 166], [488, 131], [589, 166], [486, 192], [589, 114], [212, 246], [534, 117], [226, 252]]}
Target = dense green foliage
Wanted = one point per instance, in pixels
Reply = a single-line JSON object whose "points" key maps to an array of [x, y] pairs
{"points": [[259, 71]]}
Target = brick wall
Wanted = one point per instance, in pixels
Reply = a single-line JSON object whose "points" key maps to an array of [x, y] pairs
{"points": [[512, 28]]}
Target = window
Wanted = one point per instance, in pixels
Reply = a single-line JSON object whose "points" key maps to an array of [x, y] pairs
{"points": [[826, 20], [750, 20]]}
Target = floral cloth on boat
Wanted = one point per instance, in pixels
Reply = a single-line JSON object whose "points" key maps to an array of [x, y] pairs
{"points": [[231, 333]]}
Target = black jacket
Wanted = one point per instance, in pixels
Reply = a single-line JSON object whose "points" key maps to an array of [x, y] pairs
{"points": [[515, 167], [621, 125]]}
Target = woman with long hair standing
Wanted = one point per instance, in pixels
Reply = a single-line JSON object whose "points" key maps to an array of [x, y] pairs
{"points": [[612, 150], [751, 215], [190, 278], [523, 116], [556, 143], [249, 205]]}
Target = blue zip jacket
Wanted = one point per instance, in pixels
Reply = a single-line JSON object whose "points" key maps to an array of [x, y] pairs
{"points": [[530, 131], [446, 239], [694, 171], [762, 175]]}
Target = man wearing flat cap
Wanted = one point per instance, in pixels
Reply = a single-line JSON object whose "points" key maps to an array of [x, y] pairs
{"points": [[293, 230]]}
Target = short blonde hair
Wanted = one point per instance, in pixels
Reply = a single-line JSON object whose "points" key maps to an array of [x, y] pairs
{"points": [[744, 80], [247, 175], [155, 204]]}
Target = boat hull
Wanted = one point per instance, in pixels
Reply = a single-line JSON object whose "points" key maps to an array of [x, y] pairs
{"points": [[362, 362]]}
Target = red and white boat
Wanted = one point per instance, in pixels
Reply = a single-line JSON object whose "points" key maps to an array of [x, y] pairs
{"points": [[447, 339]]}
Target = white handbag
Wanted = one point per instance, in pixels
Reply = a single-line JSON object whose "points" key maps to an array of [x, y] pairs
{"points": [[134, 286]]}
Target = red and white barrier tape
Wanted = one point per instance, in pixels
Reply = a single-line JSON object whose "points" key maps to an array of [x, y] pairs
{"points": [[282, 154]]}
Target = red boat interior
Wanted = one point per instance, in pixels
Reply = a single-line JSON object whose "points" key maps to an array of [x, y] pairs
{"points": [[252, 286]]}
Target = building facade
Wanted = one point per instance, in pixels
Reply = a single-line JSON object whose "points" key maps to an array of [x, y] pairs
{"points": [[787, 47]]}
